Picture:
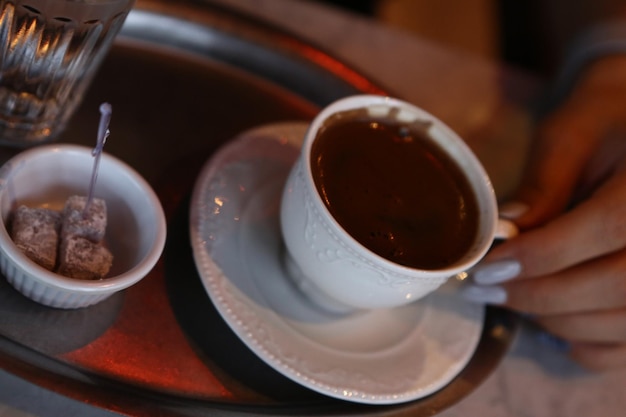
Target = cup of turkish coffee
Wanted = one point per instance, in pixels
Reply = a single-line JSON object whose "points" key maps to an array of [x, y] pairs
{"points": [[383, 205]]}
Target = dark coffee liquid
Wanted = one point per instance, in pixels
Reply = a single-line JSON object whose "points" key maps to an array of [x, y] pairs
{"points": [[395, 191]]}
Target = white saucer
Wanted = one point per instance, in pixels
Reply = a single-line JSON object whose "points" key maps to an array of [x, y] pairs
{"points": [[378, 357]]}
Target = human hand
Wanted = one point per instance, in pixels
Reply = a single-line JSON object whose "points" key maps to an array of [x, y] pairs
{"points": [[567, 268]]}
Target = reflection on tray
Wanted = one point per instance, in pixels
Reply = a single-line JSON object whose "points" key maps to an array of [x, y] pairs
{"points": [[53, 331]]}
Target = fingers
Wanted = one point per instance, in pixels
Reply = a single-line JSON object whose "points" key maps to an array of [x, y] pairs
{"points": [[593, 286], [607, 326], [576, 262], [593, 229], [599, 357]]}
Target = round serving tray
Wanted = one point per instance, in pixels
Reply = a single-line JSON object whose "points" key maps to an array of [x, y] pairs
{"points": [[184, 78]]}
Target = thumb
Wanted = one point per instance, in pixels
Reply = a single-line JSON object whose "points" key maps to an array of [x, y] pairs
{"points": [[563, 144]]}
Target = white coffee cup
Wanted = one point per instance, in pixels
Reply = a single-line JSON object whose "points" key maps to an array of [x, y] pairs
{"points": [[339, 273]]}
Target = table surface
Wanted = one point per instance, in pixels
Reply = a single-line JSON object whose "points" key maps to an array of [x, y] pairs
{"points": [[535, 378]]}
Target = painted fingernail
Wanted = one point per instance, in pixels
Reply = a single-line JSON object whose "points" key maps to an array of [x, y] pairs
{"points": [[484, 295], [496, 272], [512, 210]]}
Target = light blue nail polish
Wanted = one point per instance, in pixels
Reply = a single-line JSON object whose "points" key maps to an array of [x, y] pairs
{"points": [[496, 272], [483, 294]]}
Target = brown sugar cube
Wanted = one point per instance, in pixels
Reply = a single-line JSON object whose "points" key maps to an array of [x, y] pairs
{"points": [[82, 259], [90, 225], [35, 232]]}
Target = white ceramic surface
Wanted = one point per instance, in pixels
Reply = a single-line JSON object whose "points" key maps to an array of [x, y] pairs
{"points": [[334, 267], [379, 357], [136, 230]]}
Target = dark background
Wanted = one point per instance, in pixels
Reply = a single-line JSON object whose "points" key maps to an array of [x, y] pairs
{"points": [[533, 34]]}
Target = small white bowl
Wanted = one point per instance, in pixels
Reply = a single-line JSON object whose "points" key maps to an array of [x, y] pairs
{"points": [[44, 177]]}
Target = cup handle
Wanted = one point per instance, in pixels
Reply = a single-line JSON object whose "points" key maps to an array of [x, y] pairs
{"points": [[505, 229]]}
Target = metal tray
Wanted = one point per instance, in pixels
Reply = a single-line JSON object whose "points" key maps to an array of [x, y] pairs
{"points": [[183, 79]]}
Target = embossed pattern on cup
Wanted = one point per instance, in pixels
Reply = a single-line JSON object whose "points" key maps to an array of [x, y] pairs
{"points": [[49, 52], [337, 264], [333, 268]]}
